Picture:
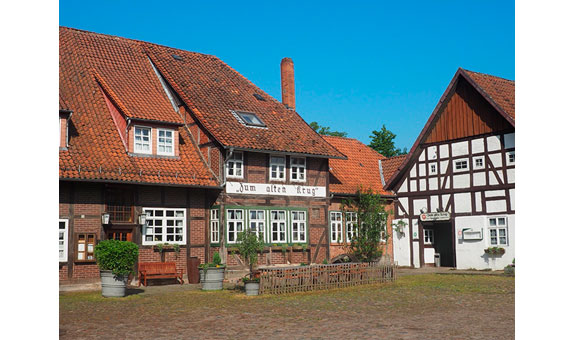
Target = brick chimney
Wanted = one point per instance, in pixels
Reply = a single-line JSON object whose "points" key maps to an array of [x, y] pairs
{"points": [[288, 84]]}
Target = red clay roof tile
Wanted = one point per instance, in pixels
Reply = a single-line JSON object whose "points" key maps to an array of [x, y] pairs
{"points": [[501, 91]]}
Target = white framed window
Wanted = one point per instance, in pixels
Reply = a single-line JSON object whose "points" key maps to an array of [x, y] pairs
{"points": [[297, 166], [278, 226], [498, 231], [511, 157], [335, 221], [215, 225], [165, 143], [277, 168], [350, 225], [460, 165], [299, 224], [428, 236], [235, 165], [235, 220], [478, 162], [142, 139], [433, 168], [164, 225], [258, 222], [63, 240]]}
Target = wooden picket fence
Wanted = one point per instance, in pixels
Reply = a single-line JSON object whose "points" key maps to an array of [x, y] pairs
{"points": [[323, 276]]}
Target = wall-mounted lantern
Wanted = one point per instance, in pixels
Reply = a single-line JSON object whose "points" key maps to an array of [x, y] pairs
{"points": [[106, 218], [142, 219]]}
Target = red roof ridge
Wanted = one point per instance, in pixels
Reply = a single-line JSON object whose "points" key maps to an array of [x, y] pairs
{"points": [[488, 75]]}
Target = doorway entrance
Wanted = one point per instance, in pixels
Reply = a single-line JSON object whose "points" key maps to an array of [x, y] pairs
{"points": [[440, 237]]}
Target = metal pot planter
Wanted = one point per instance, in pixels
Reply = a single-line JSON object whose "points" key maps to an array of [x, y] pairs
{"points": [[252, 288], [213, 278], [113, 285]]}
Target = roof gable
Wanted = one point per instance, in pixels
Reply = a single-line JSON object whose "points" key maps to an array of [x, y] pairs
{"points": [[504, 93]]}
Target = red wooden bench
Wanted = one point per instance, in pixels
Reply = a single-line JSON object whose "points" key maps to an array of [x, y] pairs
{"points": [[159, 270]]}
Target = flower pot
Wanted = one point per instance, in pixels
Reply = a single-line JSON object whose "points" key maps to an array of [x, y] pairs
{"points": [[252, 288], [213, 278], [112, 285]]}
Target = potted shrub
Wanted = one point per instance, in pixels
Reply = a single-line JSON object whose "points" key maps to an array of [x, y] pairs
{"points": [[249, 245], [116, 260], [212, 274]]}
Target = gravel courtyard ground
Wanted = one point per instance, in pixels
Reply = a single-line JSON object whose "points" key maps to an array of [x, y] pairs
{"points": [[429, 306]]}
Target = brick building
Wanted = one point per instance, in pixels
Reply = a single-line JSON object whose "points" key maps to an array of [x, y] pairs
{"points": [[160, 145]]}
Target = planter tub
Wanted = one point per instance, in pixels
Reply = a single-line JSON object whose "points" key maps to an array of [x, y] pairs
{"points": [[213, 279], [252, 288], [112, 285], [201, 275]]}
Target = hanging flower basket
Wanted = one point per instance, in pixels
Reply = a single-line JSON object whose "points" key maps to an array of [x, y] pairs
{"points": [[494, 251]]}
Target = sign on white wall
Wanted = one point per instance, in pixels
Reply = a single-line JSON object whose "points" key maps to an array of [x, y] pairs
{"points": [[435, 216], [274, 189]]}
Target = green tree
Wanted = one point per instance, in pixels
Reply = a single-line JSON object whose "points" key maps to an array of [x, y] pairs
{"points": [[326, 130], [371, 226], [382, 142], [249, 245]]}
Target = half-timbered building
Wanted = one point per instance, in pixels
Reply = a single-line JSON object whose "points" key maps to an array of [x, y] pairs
{"points": [[456, 187]]}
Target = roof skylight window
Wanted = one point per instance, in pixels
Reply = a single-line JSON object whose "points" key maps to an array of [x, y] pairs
{"points": [[250, 119]]}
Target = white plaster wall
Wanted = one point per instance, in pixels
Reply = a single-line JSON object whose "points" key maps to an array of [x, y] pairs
{"points": [[422, 185], [444, 151], [494, 193], [443, 167], [470, 254], [428, 255], [412, 185], [462, 202], [511, 175], [492, 178], [405, 203], [445, 199], [479, 178], [496, 160], [461, 181], [493, 143], [478, 204], [416, 263], [422, 156], [432, 152], [433, 183], [496, 206], [401, 247], [459, 149], [413, 171], [403, 187], [434, 200], [477, 145], [419, 204], [509, 140], [422, 171], [512, 199]]}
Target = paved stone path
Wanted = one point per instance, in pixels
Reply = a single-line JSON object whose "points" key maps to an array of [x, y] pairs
{"points": [[426, 306]]}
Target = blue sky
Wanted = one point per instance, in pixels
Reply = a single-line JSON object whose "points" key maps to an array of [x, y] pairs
{"points": [[356, 66]]}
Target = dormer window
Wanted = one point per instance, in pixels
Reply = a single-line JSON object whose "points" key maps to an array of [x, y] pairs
{"points": [[250, 119], [165, 142], [142, 139]]}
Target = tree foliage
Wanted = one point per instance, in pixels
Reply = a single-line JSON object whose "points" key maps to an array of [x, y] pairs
{"points": [[382, 142], [249, 245], [371, 226], [326, 130]]}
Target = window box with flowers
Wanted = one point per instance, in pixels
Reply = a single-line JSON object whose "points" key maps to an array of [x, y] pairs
{"points": [[494, 251]]}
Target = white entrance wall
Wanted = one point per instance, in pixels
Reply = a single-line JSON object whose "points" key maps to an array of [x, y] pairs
{"points": [[401, 246], [470, 253]]}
